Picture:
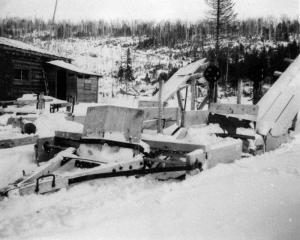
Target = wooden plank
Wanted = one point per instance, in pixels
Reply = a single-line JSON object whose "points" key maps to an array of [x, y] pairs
{"points": [[168, 113], [68, 135], [172, 146], [195, 117], [112, 119], [180, 78], [9, 143], [233, 109], [224, 153], [147, 104]]}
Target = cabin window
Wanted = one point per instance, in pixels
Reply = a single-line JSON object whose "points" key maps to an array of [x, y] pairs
{"points": [[37, 74], [22, 74], [87, 84]]}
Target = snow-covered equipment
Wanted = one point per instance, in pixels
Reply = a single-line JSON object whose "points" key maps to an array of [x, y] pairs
{"points": [[112, 145]]}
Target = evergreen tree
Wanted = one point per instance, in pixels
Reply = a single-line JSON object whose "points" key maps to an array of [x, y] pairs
{"points": [[222, 15], [128, 70]]}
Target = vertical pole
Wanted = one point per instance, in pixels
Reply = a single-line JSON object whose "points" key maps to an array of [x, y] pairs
{"points": [[160, 106], [226, 76], [239, 91], [215, 91]]}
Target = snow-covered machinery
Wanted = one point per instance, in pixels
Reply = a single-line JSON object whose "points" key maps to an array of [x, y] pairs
{"points": [[110, 146]]}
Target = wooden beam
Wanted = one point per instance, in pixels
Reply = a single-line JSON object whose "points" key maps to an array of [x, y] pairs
{"points": [[9, 143], [233, 109], [172, 146]]}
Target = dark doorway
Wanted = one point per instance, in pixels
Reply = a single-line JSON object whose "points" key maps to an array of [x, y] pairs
{"points": [[61, 84]]}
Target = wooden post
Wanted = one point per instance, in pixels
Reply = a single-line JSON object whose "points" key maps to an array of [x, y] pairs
{"points": [[160, 106], [193, 94], [40, 101], [182, 111], [215, 91], [239, 91]]}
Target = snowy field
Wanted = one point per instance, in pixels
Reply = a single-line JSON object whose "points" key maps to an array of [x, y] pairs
{"points": [[253, 198]]}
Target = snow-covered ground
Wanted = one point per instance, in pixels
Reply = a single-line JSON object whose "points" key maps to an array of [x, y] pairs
{"points": [[253, 198]]}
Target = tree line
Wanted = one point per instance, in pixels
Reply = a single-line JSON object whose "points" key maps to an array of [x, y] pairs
{"points": [[163, 33]]}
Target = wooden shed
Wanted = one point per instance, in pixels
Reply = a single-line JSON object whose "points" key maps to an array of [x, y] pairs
{"points": [[65, 80], [27, 69]]}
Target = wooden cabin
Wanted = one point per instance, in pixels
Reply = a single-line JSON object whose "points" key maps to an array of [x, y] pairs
{"points": [[27, 69], [67, 80]]}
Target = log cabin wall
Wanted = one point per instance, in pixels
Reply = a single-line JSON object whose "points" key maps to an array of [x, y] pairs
{"points": [[87, 88], [23, 72], [6, 77]]}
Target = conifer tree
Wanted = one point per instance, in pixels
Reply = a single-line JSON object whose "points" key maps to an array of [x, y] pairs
{"points": [[221, 14]]}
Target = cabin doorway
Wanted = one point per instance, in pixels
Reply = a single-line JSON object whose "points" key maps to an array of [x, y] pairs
{"points": [[61, 84]]}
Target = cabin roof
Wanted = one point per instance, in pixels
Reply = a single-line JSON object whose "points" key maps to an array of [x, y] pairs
{"points": [[72, 67], [24, 47]]}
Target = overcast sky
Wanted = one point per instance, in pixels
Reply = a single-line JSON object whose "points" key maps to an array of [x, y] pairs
{"points": [[141, 9]]}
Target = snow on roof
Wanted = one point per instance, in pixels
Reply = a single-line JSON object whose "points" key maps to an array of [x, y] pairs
{"points": [[26, 47], [71, 67]]}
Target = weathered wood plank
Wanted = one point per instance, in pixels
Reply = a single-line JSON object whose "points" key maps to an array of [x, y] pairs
{"points": [[168, 113], [172, 146], [9, 143], [68, 135], [105, 119], [233, 109], [195, 117], [147, 104]]}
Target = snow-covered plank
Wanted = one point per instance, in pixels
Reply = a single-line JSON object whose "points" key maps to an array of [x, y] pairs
{"points": [[173, 146], [277, 107], [226, 152], [127, 122], [280, 114], [183, 75]]}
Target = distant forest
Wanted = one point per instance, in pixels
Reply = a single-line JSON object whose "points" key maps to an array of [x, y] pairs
{"points": [[164, 33]]}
